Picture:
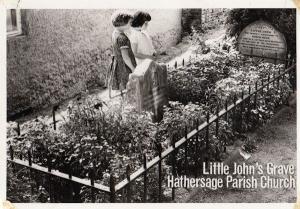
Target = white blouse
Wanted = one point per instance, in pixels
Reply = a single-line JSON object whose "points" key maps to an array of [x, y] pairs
{"points": [[143, 41]]}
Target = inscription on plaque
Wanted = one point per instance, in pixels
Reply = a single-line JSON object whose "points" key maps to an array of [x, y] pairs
{"points": [[262, 39]]}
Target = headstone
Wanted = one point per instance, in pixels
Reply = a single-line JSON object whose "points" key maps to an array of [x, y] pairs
{"points": [[147, 88], [262, 39]]}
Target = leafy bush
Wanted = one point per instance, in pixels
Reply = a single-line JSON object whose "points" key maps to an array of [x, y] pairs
{"points": [[17, 191], [267, 99], [192, 82]]}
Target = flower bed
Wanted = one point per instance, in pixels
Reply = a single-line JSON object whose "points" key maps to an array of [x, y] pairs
{"points": [[108, 141]]}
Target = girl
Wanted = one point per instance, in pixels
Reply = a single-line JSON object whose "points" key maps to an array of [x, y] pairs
{"points": [[141, 42], [123, 62]]}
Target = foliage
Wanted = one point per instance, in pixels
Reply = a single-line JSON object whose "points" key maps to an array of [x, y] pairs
{"points": [[109, 139], [17, 191], [192, 82], [255, 112]]}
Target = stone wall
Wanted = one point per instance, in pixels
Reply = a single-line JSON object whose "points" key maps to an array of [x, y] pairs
{"points": [[189, 18], [64, 52], [202, 19], [212, 18]]}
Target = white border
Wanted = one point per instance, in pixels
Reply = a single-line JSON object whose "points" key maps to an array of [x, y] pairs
{"points": [[104, 4]]}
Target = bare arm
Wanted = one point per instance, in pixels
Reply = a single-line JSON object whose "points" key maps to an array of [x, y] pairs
{"points": [[126, 58]]}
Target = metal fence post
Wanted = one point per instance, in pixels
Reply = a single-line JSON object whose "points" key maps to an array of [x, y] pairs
{"points": [[145, 178], [128, 187], [278, 79], [92, 178], [262, 86], [255, 95], [18, 129], [11, 152], [53, 117], [234, 113], [207, 137], [112, 188], [249, 106], [159, 149], [293, 76], [226, 110], [49, 175], [197, 149], [217, 122], [29, 158], [70, 182], [30, 171], [173, 140], [185, 149], [286, 61], [268, 85]]}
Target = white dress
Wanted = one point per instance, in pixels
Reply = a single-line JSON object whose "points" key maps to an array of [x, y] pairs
{"points": [[143, 41]]}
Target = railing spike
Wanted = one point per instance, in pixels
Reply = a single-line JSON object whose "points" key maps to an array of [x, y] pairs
{"points": [[18, 129], [145, 161], [29, 158], [186, 132], [128, 172], [207, 117], [112, 188], [11, 152]]}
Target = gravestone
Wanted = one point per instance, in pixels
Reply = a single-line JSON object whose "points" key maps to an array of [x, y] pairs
{"points": [[147, 88], [261, 39]]}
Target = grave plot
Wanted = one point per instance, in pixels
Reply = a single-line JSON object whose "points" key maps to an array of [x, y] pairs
{"points": [[116, 142]]}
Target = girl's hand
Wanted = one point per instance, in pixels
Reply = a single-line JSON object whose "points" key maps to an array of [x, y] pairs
{"points": [[126, 58]]}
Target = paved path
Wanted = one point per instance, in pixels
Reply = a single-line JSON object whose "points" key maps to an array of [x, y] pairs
{"points": [[277, 144]]}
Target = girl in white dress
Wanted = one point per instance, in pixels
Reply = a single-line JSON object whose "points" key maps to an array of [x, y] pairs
{"points": [[141, 42]]}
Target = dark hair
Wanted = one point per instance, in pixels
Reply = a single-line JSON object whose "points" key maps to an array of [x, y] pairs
{"points": [[120, 18], [139, 18]]}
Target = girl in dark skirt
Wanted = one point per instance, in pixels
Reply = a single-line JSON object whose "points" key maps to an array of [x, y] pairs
{"points": [[124, 61]]}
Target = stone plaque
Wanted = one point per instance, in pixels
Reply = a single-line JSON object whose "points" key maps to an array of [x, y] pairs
{"points": [[262, 39], [147, 88]]}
